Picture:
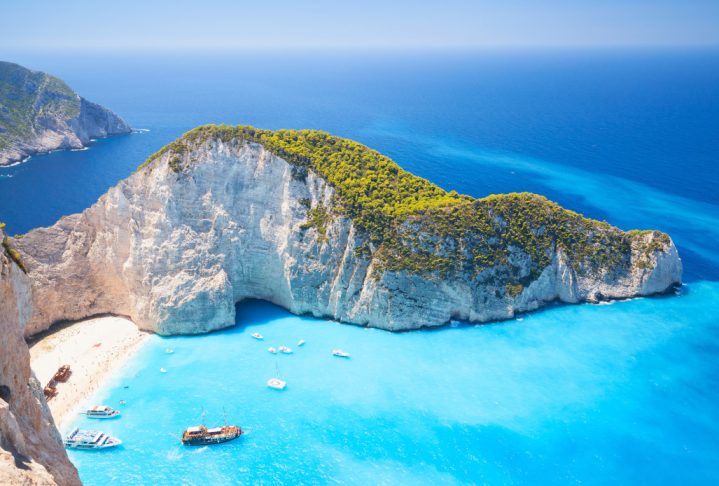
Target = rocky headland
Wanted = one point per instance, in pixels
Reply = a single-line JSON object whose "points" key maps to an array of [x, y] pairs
{"points": [[31, 451], [324, 226], [40, 113]]}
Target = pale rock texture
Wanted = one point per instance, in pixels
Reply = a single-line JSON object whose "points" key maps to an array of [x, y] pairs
{"points": [[31, 451], [176, 251]]}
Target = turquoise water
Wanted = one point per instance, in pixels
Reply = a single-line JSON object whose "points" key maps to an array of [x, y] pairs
{"points": [[592, 394], [624, 393]]}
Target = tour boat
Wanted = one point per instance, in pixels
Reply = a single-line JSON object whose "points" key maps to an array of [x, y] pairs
{"points": [[340, 354], [101, 412], [90, 439], [285, 350], [257, 335], [272, 350], [301, 342], [200, 435]]}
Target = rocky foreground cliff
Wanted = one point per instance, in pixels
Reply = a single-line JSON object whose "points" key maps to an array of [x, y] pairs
{"points": [[31, 451], [40, 113], [324, 226]]}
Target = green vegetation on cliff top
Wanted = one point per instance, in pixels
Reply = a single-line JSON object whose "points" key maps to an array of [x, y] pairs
{"points": [[415, 225], [26, 95]]}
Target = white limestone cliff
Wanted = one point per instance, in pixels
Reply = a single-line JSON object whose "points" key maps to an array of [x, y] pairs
{"points": [[175, 251], [31, 451]]}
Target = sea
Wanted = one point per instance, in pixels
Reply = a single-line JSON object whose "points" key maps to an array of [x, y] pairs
{"points": [[620, 393]]}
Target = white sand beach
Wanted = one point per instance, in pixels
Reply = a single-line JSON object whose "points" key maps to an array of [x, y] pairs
{"points": [[95, 349]]}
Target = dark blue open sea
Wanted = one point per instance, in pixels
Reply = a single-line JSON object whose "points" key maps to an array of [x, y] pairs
{"points": [[626, 393]]}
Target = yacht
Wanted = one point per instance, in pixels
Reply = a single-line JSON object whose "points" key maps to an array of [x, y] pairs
{"points": [[301, 342], [276, 382], [169, 350], [272, 350], [340, 354], [257, 335], [285, 350], [90, 439], [101, 412]]}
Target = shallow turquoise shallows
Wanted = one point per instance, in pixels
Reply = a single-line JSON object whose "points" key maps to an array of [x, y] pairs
{"points": [[568, 395]]}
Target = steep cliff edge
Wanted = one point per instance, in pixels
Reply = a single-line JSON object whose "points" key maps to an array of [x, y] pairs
{"points": [[324, 226], [31, 451], [40, 113]]}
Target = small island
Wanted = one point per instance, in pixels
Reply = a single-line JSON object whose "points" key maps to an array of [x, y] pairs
{"points": [[40, 113]]}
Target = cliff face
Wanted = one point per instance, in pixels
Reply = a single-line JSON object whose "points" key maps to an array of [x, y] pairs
{"points": [[31, 451], [40, 113], [220, 219]]}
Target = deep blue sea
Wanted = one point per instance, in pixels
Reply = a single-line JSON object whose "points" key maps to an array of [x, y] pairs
{"points": [[626, 393]]}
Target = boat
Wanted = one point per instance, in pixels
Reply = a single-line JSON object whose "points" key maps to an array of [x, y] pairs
{"points": [[276, 383], [272, 350], [90, 439], [63, 374], [257, 335], [200, 435], [340, 354], [285, 350], [169, 350], [101, 412], [163, 370], [301, 342]]}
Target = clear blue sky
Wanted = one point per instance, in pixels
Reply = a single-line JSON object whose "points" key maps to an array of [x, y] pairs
{"points": [[367, 23]]}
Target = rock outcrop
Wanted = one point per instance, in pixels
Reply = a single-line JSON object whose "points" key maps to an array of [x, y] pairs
{"points": [[40, 113], [225, 214], [31, 451]]}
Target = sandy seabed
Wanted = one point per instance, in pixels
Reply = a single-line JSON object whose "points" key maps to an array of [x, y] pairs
{"points": [[95, 349]]}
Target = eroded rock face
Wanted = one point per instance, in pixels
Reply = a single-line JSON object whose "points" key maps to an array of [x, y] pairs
{"points": [[176, 250], [31, 451], [40, 113]]}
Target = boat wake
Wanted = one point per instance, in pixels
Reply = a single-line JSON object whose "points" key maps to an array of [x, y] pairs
{"points": [[174, 455]]}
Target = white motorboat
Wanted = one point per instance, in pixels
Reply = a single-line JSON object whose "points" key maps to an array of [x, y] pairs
{"points": [[169, 350], [272, 350], [257, 335], [90, 439], [340, 354], [163, 370], [101, 412], [301, 342], [285, 350]]}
